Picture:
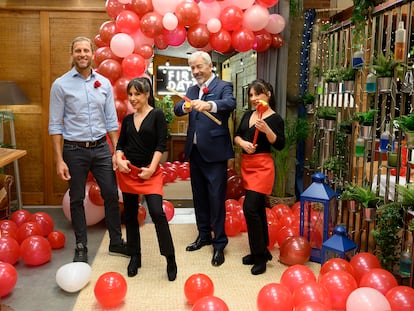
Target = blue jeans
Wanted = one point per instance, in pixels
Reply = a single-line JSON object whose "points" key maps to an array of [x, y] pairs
{"points": [[97, 160]]}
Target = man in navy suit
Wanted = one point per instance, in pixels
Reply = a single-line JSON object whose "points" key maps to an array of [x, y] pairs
{"points": [[208, 148]]}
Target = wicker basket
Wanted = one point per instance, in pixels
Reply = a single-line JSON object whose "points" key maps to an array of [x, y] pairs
{"points": [[271, 200]]}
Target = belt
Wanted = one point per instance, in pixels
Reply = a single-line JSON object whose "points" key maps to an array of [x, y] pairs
{"points": [[86, 144]]}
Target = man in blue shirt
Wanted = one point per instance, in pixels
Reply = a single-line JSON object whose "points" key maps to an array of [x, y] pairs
{"points": [[82, 112]]}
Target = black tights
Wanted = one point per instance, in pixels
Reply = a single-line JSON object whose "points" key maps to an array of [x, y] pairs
{"points": [[154, 203], [255, 213]]}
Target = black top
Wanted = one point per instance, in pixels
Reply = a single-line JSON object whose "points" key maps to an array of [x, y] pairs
{"points": [[139, 145], [274, 121]]}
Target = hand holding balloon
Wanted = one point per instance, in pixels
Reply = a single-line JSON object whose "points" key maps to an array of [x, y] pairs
{"points": [[261, 107]]}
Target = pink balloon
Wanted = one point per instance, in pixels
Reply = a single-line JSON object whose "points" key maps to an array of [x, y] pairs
{"points": [[242, 40], [177, 36], [255, 18], [209, 10], [151, 24], [275, 24], [231, 17], [214, 25], [140, 39], [163, 6], [133, 66], [127, 22], [242, 4], [380, 279], [367, 299], [401, 298], [169, 21], [122, 44]]}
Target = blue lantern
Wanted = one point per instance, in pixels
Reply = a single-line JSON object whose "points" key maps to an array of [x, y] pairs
{"points": [[318, 208], [338, 246]]}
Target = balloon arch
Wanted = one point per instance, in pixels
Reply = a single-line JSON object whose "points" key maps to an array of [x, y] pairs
{"points": [[126, 42]]}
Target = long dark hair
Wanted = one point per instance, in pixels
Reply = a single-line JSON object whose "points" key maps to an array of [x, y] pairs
{"points": [[143, 85], [262, 87]]}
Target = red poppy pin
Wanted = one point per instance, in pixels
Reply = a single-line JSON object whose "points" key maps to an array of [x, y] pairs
{"points": [[205, 90], [97, 84]]}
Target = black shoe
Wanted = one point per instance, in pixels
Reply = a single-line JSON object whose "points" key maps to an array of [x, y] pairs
{"points": [[249, 259], [258, 268], [218, 258], [118, 250], [197, 244], [134, 264], [171, 268], [81, 253]]}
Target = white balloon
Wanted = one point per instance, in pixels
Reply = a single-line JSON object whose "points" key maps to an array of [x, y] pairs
{"points": [[73, 276]]}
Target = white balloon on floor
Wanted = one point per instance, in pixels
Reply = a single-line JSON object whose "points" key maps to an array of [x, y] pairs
{"points": [[93, 213], [74, 276]]}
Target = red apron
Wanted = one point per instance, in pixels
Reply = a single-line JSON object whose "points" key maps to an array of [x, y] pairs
{"points": [[131, 183], [258, 172]]}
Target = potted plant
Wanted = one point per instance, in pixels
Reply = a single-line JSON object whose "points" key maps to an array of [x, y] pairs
{"points": [[406, 124], [327, 117], [384, 70], [348, 79], [296, 130], [308, 99], [166, 104], [333, 165], [332, 77], [365, 120]]}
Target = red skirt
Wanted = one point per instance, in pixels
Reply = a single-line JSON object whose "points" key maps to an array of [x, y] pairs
{"points": [[131, 183], [258, 172]]}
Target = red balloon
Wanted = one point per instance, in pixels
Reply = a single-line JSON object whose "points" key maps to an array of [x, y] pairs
{"points": [[197, 286], [281, 209], [133, 65], [198, 35], [161, 41], [9, 250], [312, 306], [142, 214], [210, 303], [235, 187], [272, 230], [35, 250], [8, 278], [283, 233], [270, 216], [336, 264], [231, 17], [95, 194], [8, 228], [242, 39], [45, 222], [221, 41], [231, 172], [379, 279], [183, 172], [113, 8], [56, 239], [296, 275], [145, 50], [295, 208], [98, 41], [121, 107], [288, 220], [340, 285], [232, 225], [168, 208], [240, 213], [120, 87], [311, 291], [187, 12], [111, 69], [151, 24], [362, 263], [232, 206], [175, 37], [27, 229], [141, 7], [401, 298], [277, 40], [107, 31], [20, 216], [295, 250], [262, 41], [274, 296], [267, 3], [127, 22], [110, 289], [104, 53]]}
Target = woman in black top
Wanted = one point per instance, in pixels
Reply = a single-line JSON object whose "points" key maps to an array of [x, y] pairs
{"points": [[138, 153], [258, 168]]}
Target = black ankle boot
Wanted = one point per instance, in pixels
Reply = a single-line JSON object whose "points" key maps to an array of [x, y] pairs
{"points": [[258, 268], [134, 264], [248, 260], [171, 268]]}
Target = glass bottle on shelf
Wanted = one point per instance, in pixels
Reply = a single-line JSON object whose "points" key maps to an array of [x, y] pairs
{"points": [[358, 58], [371, 83], [399, 51], [406, 261], [359, 147], [385, 139]]}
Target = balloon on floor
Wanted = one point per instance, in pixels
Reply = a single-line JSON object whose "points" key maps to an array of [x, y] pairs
{"points": [[210, 303], [197, 286], [74, 276], [35, 250], [110, 289], [8, 278]]}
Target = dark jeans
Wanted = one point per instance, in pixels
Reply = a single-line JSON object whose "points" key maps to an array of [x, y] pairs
{"points": [[154, 202], [255, 213], [97, 160]]}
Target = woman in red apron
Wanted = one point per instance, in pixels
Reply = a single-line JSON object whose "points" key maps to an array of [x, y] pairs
{"points": [[140, 146], [259, 129]]}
